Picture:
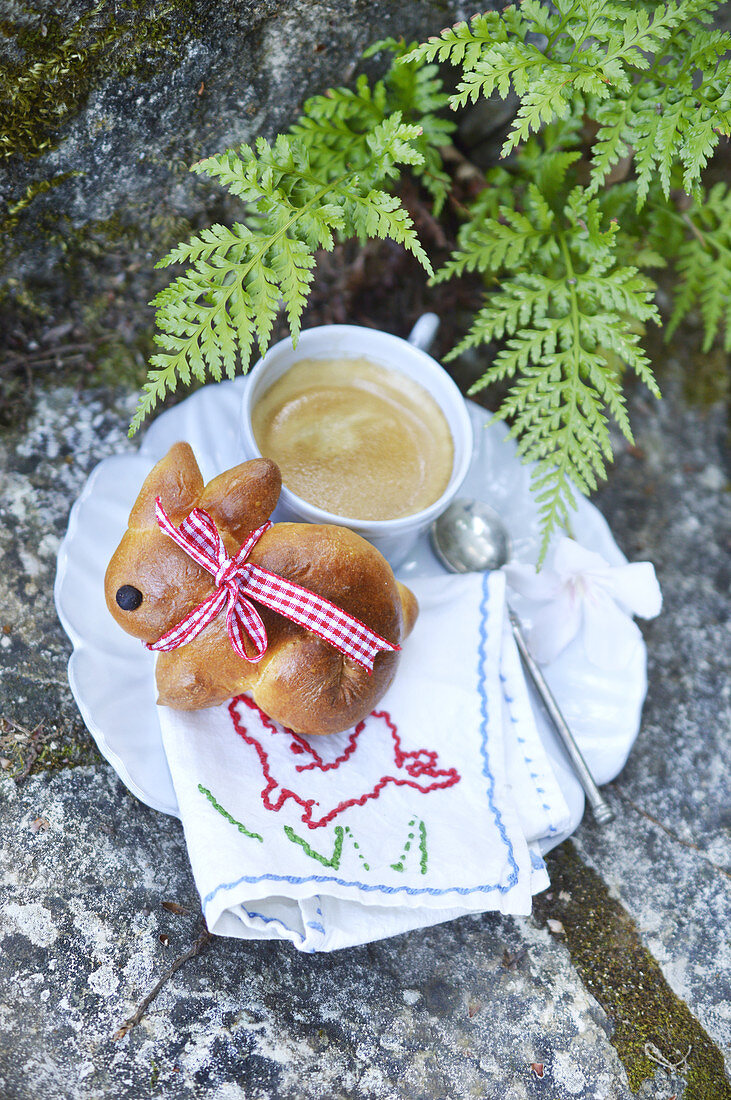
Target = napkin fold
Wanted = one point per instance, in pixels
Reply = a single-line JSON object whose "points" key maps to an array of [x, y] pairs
{"points": [[577, 591], [430, 809]]}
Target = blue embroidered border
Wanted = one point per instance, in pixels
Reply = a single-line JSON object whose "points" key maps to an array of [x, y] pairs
{"points": [[430, 890], [273, 920], [484, 726], [521, 741]]}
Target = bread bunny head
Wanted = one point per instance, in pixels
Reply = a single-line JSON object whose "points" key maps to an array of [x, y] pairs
{"points": [[150, 583]]}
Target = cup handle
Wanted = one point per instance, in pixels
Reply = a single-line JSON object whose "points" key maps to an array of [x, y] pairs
{"points": [[424, 331]]}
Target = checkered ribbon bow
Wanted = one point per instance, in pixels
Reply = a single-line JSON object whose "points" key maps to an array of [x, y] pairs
{"points": [[236, 579]]}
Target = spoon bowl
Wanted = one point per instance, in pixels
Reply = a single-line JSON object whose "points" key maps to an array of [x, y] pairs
{"points": [[470, 537]]}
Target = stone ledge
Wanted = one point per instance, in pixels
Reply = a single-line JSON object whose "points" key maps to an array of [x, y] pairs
{"points": [[459, 1010]]}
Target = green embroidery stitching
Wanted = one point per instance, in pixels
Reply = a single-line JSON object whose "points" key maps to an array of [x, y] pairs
{"points": [[400, 863], [227, 815], [340, 832], [422, 847], [356, 845], [334, 860]]}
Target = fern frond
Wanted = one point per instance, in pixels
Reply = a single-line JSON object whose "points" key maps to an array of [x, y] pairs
{"points": [[230, 294], [703, 267], [676, 111], [336, 126], [593, 49], [417, 90], [464, 43], [567, 312], [654, 77], [541, 104], [379, 214], [491, 243], [698, 141]]}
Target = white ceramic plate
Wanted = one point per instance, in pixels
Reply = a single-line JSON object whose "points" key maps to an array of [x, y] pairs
{"points": [[111, 674]]}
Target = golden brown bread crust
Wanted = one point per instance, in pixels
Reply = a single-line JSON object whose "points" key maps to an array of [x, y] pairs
{"points": [[301, 681]]}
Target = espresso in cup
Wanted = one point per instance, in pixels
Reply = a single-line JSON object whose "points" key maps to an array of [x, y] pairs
{"points": [[355, 438]]}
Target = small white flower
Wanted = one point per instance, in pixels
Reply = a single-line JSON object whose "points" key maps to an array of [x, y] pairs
{"points": [[578, 589]]}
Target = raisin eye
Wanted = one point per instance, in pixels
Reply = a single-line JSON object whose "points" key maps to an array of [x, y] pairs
{"points": [[129, 598]]}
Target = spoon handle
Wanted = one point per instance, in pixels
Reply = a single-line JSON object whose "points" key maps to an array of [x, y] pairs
{"points": [[600, 808]]}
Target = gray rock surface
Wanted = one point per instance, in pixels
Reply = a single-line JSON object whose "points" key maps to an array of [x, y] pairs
{"points": [[103, 108], [81, 948], [456, 1011], [672, 505]]}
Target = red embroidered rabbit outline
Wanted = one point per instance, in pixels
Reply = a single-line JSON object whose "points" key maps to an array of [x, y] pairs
{"points": [[418, 764]]}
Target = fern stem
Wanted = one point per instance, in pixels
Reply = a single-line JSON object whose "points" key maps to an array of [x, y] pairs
{"points": [[713, 107], [559, 29], [571, 283], [586, 33], [697, 233], [576, 326]]}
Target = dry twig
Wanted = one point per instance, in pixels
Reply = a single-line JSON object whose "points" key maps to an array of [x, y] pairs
{"points": [[144, 1004], [672, 835], [656, 1055]]}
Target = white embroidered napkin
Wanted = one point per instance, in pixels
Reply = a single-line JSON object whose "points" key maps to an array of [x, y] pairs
{"points": [[408, 820]]}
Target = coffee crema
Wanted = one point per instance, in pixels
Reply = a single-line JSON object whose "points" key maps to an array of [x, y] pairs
{"points": [[355, 438]]}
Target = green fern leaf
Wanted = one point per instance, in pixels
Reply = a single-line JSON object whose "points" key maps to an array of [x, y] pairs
{"points": [[567, 313], [542, 104], [293, 263], [699, 142], [504, 64], [229, 296], [493, 243], [336, 126], [464, 43], [612, 140], [703, 267]]}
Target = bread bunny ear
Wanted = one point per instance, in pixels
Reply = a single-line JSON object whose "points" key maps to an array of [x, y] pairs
{"points": [[243, 498], [176, 480]]}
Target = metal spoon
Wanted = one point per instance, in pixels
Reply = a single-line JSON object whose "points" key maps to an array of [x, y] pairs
{"points": [[469, 537]]}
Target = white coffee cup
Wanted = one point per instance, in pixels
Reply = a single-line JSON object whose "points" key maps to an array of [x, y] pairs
{"points": [[393, 537]]}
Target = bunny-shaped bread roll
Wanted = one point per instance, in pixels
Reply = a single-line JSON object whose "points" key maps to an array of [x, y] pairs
{"points": [[301, 681]]}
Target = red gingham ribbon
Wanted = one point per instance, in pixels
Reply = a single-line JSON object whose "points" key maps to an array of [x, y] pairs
{"points": [[236, 578]]}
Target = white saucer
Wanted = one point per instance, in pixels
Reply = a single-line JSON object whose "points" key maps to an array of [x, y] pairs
{"points": [[111, 674]]}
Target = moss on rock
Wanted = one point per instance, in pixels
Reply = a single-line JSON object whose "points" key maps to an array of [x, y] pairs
{"points": [[58, 61], [115, 101], [649, 1020]]}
